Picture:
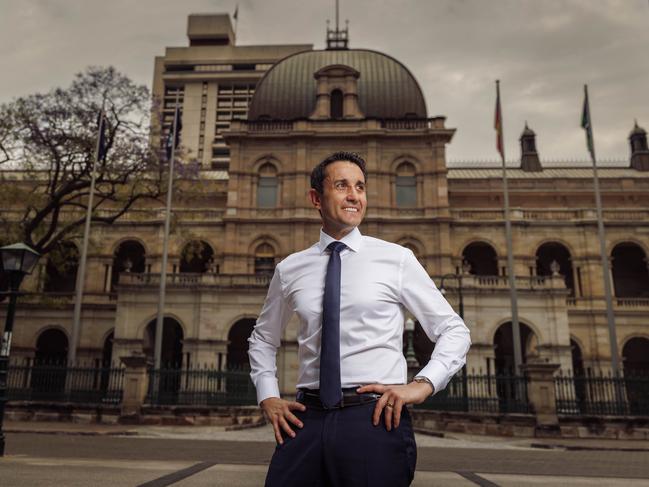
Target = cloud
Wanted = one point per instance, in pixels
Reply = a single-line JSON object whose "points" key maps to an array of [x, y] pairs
{"points": [[543, 53]]}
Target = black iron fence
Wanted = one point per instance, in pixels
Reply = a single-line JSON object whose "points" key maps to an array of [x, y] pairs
{"points": [[60, 382], [481, 393], [583, 394], [205, 386], [602, 394]]}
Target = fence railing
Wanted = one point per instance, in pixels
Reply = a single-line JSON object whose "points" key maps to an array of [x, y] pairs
{"points": [[481, 393], [602, 394], [598, 394], [201, 387], [63, 383]]}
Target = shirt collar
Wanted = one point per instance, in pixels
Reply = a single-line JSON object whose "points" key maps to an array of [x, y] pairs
{"points": [[352, 240]]}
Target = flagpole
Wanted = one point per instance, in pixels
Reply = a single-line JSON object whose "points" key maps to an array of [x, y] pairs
{"points": [[81, 271], [610, 317], [159, 329], [516, 333]]}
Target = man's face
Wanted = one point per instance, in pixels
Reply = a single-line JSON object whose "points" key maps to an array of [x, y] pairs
{"points": [[343, 200]]}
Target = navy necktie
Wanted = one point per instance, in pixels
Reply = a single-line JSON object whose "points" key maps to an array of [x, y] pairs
{"points": [[330, 389]]}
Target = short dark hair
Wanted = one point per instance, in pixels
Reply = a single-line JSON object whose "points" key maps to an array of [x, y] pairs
{"points": [[318, 173]]}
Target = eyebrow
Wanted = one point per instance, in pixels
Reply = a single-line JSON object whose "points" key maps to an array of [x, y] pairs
{"points": [[347, 180]]}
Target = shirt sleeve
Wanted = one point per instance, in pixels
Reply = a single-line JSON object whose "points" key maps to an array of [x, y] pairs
{"points": [[266, 338], [437, 318]]}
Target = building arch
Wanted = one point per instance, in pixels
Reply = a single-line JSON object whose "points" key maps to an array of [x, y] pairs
{"points": [[630, 271], [237, 340], [173, 335], [61, 268], [271, 159], [482, 257], [129, 256], [502, 340], [196, 256], [635, 361], [267, 182], [414, 244], [405, 157], [52, 346], [406, 178], [128, 238], [554, 251], [264, 238]]}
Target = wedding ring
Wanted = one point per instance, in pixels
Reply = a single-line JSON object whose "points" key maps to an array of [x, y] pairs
{"points": [[390, 405]]}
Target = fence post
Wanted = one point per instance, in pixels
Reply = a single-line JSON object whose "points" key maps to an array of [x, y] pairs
{"points": [[540, 392], [135, 384]]}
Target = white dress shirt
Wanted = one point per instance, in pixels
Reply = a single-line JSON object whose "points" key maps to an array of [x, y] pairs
{"points": [[379, 280]]}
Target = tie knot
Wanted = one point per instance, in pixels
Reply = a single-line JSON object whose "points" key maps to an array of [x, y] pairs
{"points": [[336, 246]]}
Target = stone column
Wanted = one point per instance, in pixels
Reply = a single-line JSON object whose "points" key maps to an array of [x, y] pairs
{"points": [[135, 384], [540, 392]]}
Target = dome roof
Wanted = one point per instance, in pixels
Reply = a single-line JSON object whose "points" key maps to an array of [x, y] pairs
{"points": [[386, 89]]}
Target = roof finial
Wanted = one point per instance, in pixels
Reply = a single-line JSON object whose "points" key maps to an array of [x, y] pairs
{"points": [[338, 38]]}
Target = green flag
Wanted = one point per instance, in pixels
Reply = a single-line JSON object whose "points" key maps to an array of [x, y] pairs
{"points": [[587, 124]]}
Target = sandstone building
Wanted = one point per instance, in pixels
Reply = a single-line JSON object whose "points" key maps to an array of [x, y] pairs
{"points": [[257, 119]]}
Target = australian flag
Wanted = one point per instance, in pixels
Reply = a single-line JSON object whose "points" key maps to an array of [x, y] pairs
{"points": [[173, 137], [101, 137]]}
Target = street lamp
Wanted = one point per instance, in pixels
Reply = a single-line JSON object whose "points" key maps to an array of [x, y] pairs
{"points": [[18, 260], [411, 358], [466, 268]]}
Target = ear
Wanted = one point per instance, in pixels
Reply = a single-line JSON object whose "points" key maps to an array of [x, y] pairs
{"points": [[316, 198]]}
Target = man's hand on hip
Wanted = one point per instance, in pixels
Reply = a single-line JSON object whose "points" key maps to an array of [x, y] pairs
{"points": [[278, 412], [393, 399]]}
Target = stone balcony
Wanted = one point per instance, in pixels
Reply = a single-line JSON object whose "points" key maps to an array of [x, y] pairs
{"points": [[551, 215], [194, 280]]}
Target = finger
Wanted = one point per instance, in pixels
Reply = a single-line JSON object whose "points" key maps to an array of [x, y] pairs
{"points": [[398, 405], [278, 435], [371, 388], [376, 415], [285, 426], [293, 419], [296, 405], [387, 414]]}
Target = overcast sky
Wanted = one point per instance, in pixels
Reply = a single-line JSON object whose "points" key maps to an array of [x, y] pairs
{"points": [[542, 51]]}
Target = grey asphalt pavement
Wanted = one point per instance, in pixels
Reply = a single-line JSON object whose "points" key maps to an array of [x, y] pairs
{"points": [[211, 456]]}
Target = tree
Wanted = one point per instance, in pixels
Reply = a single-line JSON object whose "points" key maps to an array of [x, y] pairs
{"points": [[47, 149]]}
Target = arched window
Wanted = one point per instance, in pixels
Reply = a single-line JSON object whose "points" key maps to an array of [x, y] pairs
{"points": [[555, 252], [48, 376], [267, 187], [635, 356], [406, 185], [61, 268], [630, 274], [481, 258], [264, 259], [196, 257], [336, 104], [129, 257], [171, 356]]}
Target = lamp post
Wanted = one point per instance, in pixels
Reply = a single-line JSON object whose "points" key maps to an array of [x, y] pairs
{"points": [[466, 268], [18, 260], [411, 358]]}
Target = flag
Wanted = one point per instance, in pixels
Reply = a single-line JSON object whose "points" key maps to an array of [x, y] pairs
{"points": [[101, 136], [173, 137], [587, 125], [236, 13], [498, 123]]}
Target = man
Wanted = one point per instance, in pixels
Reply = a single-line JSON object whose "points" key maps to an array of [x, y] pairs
{"points": [[350, 425]]}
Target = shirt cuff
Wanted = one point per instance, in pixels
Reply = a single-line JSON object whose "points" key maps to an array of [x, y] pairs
{"points": [[437, 373], [267, 387]]}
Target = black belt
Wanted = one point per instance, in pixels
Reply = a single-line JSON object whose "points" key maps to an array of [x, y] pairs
{"points": [[311, 398]]}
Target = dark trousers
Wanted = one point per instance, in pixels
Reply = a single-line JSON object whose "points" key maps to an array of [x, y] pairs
{"points": [[341, 447]]}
